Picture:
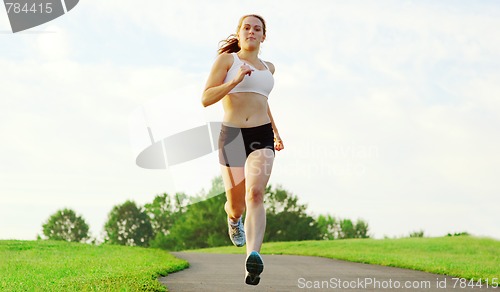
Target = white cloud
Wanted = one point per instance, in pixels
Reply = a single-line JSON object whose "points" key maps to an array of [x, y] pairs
{"points": [[66, 139], [414, 82], [52, 45]]}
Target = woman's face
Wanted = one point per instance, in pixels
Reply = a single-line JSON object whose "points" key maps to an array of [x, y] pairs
{"points": [[251, 33]]}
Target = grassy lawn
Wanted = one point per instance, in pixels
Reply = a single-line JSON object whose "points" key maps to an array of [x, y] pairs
{"points": [[462, 256], [62, 266]]}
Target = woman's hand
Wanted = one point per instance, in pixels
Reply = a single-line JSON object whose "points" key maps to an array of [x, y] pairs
{"points": [[278, 143], [244, 70]]}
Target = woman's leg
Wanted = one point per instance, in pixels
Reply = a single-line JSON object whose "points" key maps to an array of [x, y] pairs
{"points": [[257, 172], [234, 184]]}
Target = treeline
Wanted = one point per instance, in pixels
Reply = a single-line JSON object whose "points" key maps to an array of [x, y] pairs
{"points": [[180, 222]]}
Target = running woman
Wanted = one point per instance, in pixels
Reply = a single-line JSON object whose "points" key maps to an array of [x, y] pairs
{"points": [[248, 135]]}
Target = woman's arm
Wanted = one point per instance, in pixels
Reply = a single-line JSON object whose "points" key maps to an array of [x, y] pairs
{"points": [[277, 139], [215, 88]]}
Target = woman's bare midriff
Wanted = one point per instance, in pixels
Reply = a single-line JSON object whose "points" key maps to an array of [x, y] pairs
{"points": [[245, 110]]}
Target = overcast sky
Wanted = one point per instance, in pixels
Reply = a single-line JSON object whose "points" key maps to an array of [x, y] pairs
{"points": [[389, 110]]}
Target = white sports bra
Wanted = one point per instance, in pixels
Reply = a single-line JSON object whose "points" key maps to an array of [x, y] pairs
{"points": [[260, 81]]}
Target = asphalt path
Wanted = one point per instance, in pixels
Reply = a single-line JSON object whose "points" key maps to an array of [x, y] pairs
{"points": [[226, 272]]}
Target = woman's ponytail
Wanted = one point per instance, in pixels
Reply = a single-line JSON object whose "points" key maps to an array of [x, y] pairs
{"points": [[229, 45]]}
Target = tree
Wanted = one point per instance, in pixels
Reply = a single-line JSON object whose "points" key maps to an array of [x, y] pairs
{"points": [[333, 228], [163, 213], [287, 220], [128, 224], [66, 225], [328, 226], [419, 233], [463, 233], [361, 229], [203, 224], [165, 210], [346, 229]]}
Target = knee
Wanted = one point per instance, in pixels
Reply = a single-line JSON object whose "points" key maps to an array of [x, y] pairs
{"points": [[255, 195]]}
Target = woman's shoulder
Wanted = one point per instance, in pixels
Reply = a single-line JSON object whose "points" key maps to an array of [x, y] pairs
{"points": [[226, 56], [270, 66], [224, 60]]}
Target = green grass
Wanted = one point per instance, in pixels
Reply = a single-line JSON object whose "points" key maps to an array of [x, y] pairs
{"points": [[462, 256], [63, 266]]}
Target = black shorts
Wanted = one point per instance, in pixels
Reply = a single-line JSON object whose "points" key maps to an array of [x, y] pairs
{"points": [[235, 144]]}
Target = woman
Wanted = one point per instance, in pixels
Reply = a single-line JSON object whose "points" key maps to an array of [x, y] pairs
{"points": [[248, 136]]}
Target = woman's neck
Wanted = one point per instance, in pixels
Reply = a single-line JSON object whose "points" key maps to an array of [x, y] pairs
{"points": [[248, 55]]}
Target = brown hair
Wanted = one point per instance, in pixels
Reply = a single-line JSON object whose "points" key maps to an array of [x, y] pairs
{"points": [[230, 45]]}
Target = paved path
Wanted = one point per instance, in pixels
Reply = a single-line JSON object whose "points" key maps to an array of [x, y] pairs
{"points": [[225, 272]]}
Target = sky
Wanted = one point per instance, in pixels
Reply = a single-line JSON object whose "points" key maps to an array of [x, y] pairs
{"points": [[389, 110]]}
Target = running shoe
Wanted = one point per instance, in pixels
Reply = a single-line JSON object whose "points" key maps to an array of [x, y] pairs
{"points": [[236, 232], [255, 266]]}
